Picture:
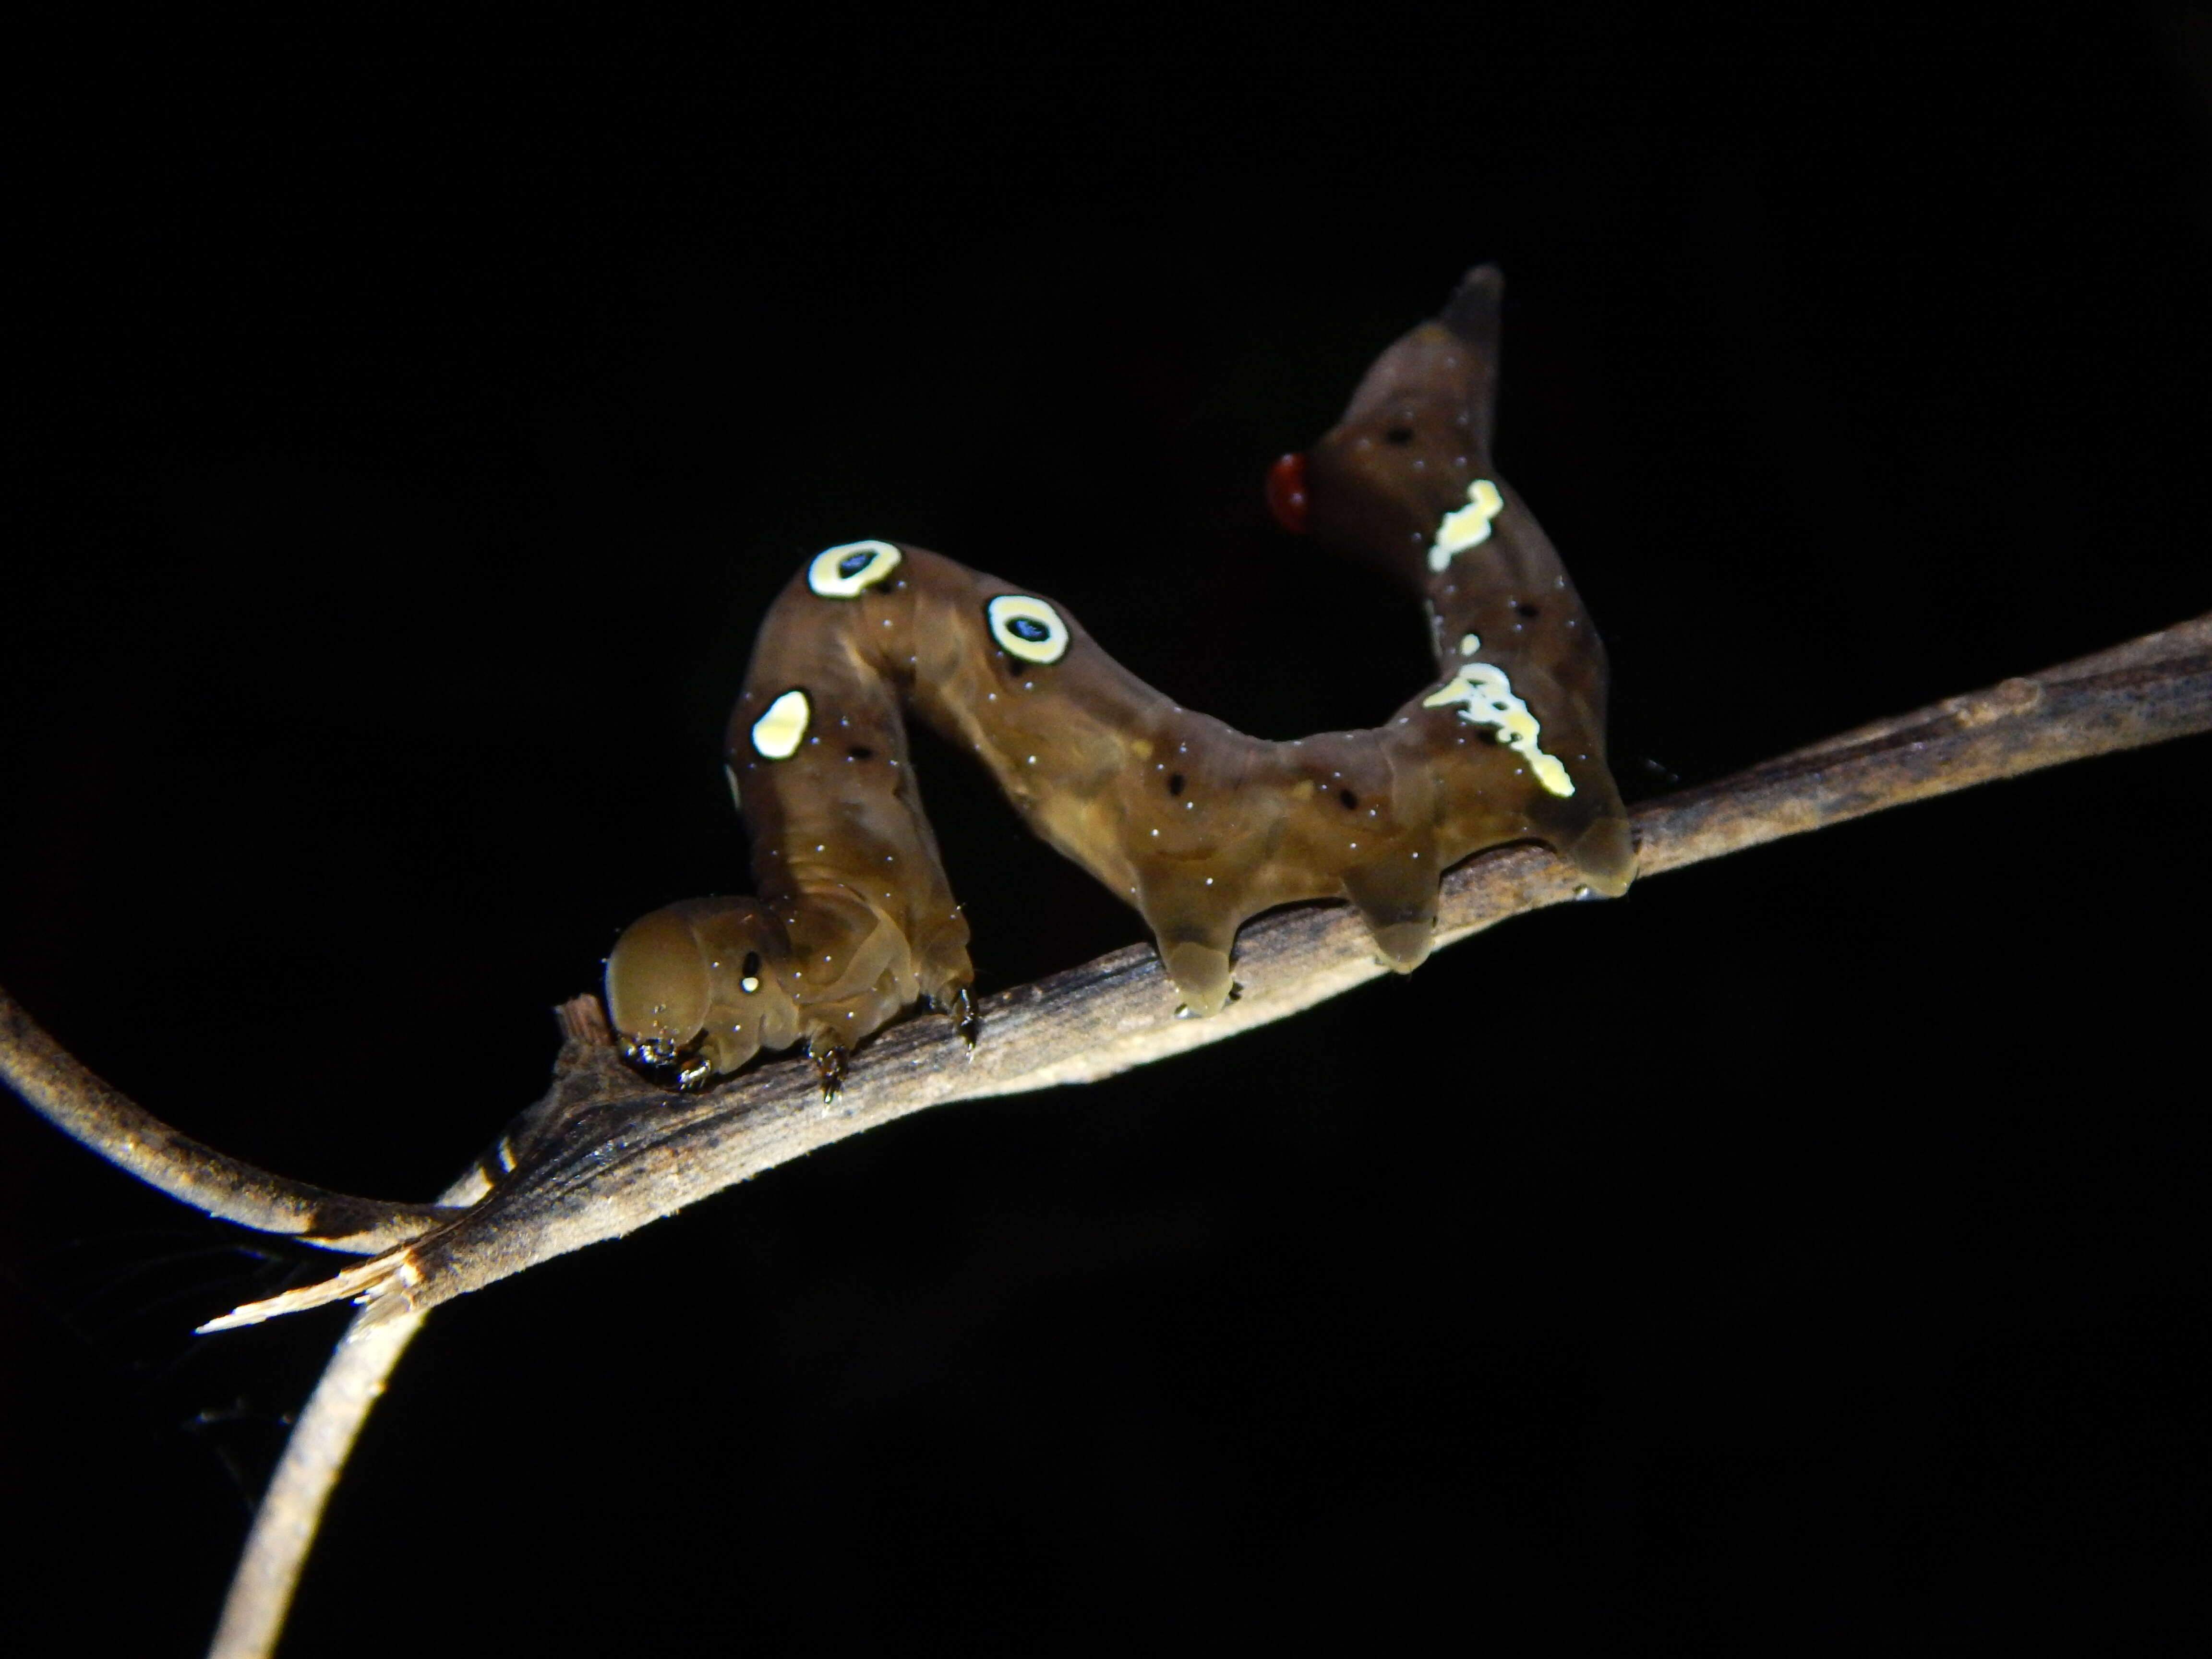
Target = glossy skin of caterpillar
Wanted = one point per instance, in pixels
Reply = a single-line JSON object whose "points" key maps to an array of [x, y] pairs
{"points": [[1199, 826]]}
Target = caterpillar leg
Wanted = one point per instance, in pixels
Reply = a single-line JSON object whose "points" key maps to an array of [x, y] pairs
{"points": [[1193, 920], [1199, 968], [829, 1060], [960, 1008], [1606, 856], [1398, 902]]}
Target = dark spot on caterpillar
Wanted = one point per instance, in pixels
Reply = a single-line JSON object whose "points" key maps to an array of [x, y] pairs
{"points": [[1030, 628], [853, 564], [1526, 610], [1398, 434], [1174, 783], [860, 751], [1350, 800], [751, 970]]}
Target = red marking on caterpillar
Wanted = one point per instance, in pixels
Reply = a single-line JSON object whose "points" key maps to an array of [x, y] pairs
{"points": [[1286, 493]]}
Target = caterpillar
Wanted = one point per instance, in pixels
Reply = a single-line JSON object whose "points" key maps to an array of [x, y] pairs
{"points": [[1197, 825]]}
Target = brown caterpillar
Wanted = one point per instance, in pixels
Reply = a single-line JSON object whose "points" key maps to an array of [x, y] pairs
{"points": [[1198, 825]]}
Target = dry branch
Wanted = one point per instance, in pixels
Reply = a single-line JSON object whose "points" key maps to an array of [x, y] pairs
{"points": [[59, 1087]]}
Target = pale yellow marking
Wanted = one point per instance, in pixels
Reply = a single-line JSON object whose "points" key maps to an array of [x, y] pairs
{"points": [[824, 577], [1011, 608], [776, 733], [1486, 698], [1469, 526], [1469, 645]]}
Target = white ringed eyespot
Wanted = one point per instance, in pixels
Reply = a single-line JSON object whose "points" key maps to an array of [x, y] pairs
{"points": [[1026, 628], [842, 573], [776, 733]]}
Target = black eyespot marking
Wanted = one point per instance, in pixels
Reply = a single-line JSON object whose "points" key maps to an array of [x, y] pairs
{"points": [[1398, 434], [1174, 783], [1030, 628], [853, 564], [751, 970], [1526, 610], [1349, 799], [860, 751]]}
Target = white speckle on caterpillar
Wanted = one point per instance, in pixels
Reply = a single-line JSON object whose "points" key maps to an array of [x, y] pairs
{"points": [[846, 571], [777, 734]]}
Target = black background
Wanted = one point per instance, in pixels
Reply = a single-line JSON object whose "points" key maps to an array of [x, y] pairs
{"points": [[1796, 1256]]}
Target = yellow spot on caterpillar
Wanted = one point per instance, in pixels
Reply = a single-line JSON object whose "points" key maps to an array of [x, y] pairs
{"points": [[748, 984], [1469, 526], [1469, 644], [776, 733], [1486, 698], [844, 573], [1027, 628]]}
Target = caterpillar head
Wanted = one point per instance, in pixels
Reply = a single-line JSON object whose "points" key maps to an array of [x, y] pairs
{"points": [[692, 988]]}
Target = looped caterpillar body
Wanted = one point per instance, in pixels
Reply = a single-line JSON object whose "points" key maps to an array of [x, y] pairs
{"points": [[1198, 825]]}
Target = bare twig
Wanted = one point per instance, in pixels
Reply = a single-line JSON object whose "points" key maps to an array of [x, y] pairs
{"points": [[601, 1155], [57, 1085], [284, 1526]]}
